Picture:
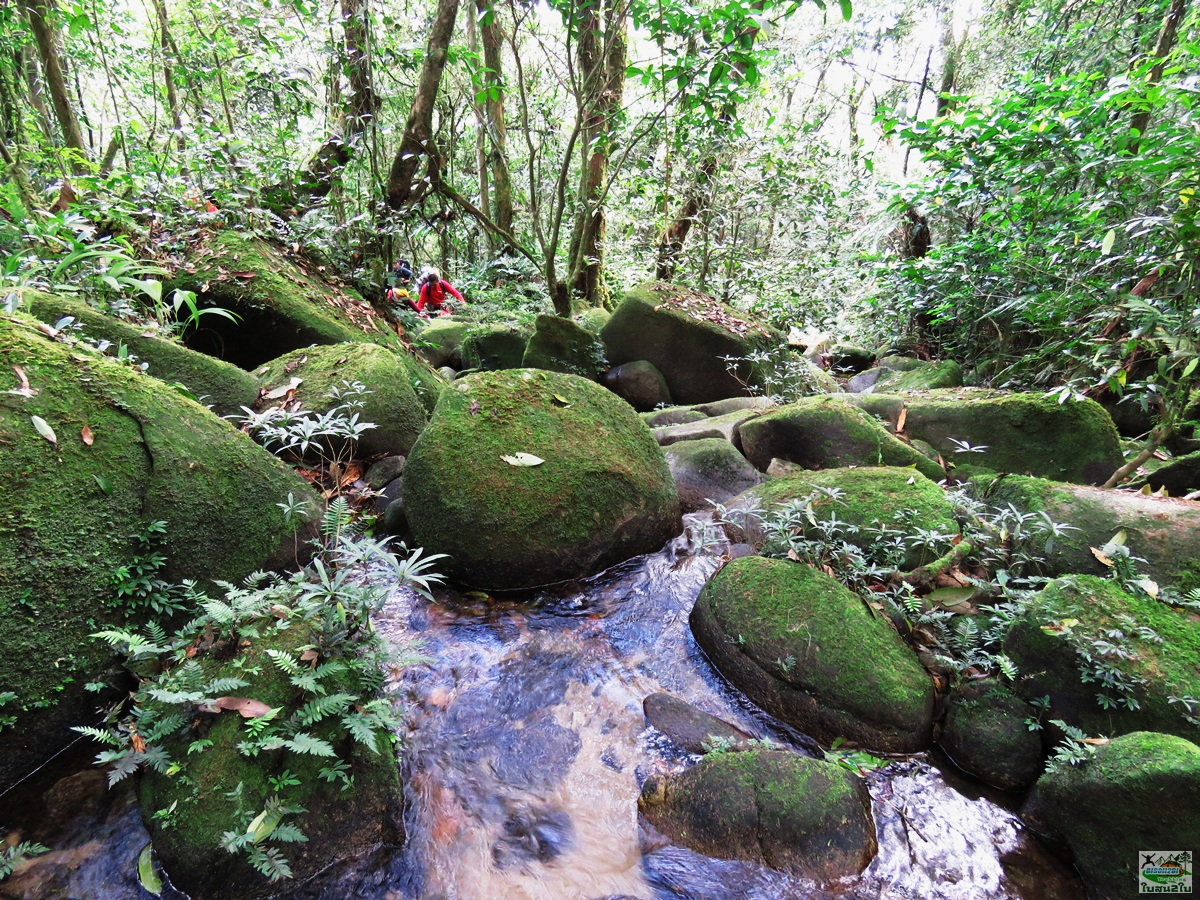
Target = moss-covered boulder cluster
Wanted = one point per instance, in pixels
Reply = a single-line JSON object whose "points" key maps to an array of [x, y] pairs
{"points": [[93, 451], [526, 477]]}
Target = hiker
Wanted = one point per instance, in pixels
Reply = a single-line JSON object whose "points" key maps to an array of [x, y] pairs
{"points": [[432, 298], [401, 278]]}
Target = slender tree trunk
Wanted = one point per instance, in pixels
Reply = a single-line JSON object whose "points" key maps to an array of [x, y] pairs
{"points": [[481, 137], [492, 38], [170, 58], [670, 245], [403, 186], [37, 91], [1167, 36], [41, 15], [601, 53]]}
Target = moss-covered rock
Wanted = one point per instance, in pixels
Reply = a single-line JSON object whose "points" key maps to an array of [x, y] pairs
{"points": [[673, 415], [726, 428], [281, 303], [593, 319], [440, 341], [1086, 627], [1138, 795], [925, 376], [807, 817], [559, 345], [849, 359], [392, 404], [986, 733], [221, 790], [811, 653], [825, 432], [129, 450], [493, 347], [603, 493], [223, 387], [1179, 476], [709, 469], [693, 729], [1163, 532], [686, 335], [867, 498], [640, 384], [1025, 434]]}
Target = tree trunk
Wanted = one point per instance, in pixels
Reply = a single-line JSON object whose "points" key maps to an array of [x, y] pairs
{"points": [[170, 57], [670, 246], [481, 137], [1167, 36], [41, 14], [37, 91], [601, 51], [403, 186], [492, 39]]}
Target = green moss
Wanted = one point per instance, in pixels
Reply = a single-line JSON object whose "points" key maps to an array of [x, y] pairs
{"points": [[559, 345], [1139, 793], [1074, 614], [441, 339], [926, 376], [826, 432], [985, 733], [1024, 434], [808, 632], [392, 404], [493, 347], [602, 493], [68, 511], [218, 384]]}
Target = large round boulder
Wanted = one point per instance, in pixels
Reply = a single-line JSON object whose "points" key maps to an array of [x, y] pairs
{"points": [[807, 817], [986, 733], [1110, 662], [316, 378], [91, 451], [526, 477], [1131, 806], [687, 336], [814, 655]]}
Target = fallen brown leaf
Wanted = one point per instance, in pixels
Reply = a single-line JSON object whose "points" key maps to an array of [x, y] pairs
{"points": [[247, 707], [86, 436]]}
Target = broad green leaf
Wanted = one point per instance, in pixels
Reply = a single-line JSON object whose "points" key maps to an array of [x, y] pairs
{"points": [[44, 429], [951, 596], [146, 875], [104, 484], [847, 9]]}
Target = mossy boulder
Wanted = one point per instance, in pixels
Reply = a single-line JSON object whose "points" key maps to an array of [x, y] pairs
{"points": [[217, 384], [392, 404], [849, 359], [1162, 531], [129, 450], [926, 376], [1179, 476], [603, 492], [1139, 794], [726, 428], [639, 383], [824, 433], [440, 341], [1023, 434], [493, 347], [986, 734], [559, 345], [221, 790], [870, 497], [814, 655], [687, 335], [709, 469], [806, 817], [672, 415], [1087, 627], [282, 303], [593, 319]]}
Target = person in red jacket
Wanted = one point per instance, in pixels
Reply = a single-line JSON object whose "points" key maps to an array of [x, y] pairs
{"points": [[432, 298]]}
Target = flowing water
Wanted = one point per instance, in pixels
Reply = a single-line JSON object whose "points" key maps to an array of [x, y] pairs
{"points": [[526, 747]]}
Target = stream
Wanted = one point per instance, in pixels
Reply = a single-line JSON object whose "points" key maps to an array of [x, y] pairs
{"points": [[525, 748]]}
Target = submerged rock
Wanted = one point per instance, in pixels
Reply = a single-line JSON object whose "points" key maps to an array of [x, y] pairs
{"points": [[806, 817], [811, 653], [823, 433], [1132, 651], [692, 729], [1139, 795], [599, 491], [686, 335], [127, 450]]}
